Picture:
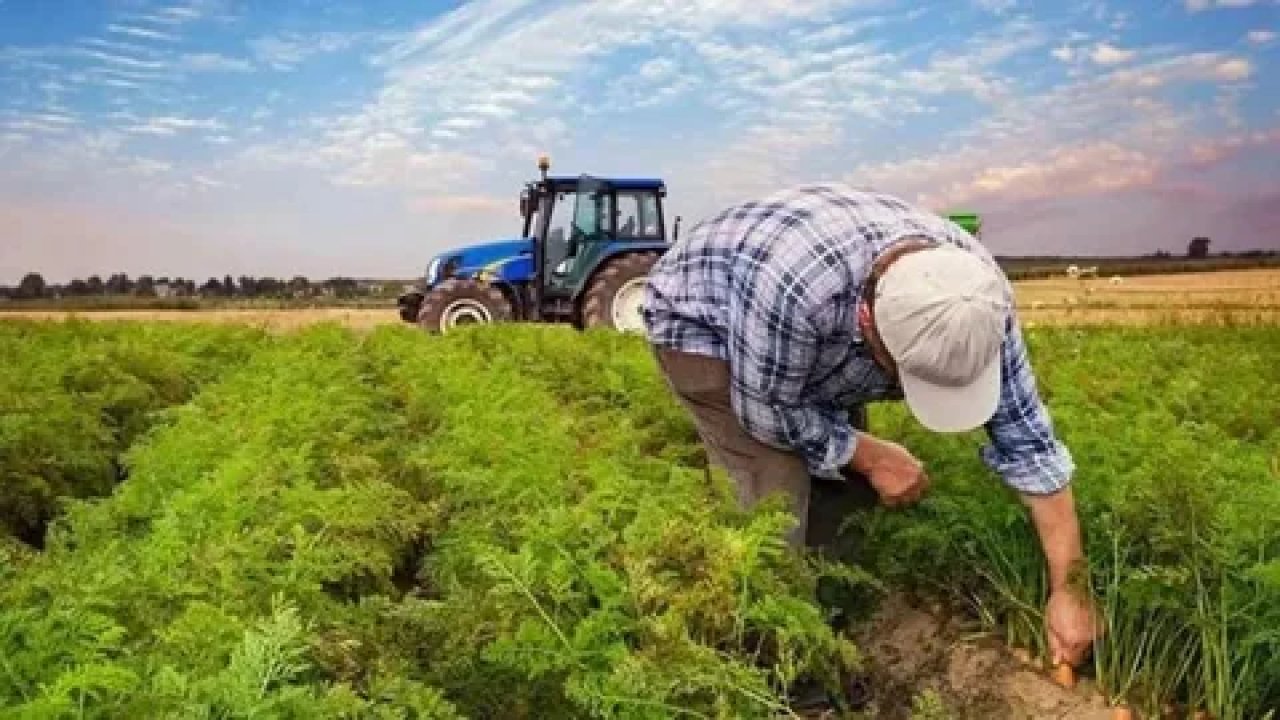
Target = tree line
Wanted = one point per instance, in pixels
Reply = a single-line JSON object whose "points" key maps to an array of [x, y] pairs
{"points": [[34, 287]]}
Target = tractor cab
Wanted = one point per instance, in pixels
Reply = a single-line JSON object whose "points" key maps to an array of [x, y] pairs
{"points": [[585, 249], [578, 223]]}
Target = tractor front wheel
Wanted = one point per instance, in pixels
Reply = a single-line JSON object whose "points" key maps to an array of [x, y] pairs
{"points": [[410, 305], [462, 301], [615, 296]]}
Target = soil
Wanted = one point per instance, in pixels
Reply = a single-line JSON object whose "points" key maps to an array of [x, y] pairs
{"points": [[911, 651]]}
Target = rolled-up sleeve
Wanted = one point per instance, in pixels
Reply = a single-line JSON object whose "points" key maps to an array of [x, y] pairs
{"points": [[1024, 449], [771, 345]]}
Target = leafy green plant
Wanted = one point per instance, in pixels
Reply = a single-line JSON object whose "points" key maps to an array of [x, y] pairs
{"points": [[75, 395], [1176, 493], [612, 583], [520, 522]]}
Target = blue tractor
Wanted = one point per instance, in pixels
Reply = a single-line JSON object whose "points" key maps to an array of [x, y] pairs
{"points": [[582, 258]]}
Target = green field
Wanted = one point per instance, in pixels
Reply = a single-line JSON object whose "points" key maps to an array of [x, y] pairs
{"points": [[217, 521]]}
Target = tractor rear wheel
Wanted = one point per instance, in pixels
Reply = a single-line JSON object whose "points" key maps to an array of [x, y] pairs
{"points": [[462, 301], [616, 294]]}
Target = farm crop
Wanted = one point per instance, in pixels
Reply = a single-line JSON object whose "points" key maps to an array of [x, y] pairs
{"points": [[73, 397], [518, 522], [1176, 434], [339, 527]]}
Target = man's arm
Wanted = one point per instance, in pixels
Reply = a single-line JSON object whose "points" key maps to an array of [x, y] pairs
{"points": [[1030, 458], [1069, 617], [1055, 520]]}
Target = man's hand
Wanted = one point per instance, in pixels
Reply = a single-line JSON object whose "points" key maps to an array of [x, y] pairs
{"points": [[1071, 625], [895, 474]]}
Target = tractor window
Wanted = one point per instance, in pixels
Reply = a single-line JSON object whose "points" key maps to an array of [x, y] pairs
{"points": [[592, 207], [559, 230], [638, 215]]}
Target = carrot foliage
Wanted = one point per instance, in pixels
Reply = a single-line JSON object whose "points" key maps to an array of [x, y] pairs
{"points": [[518, 521]]}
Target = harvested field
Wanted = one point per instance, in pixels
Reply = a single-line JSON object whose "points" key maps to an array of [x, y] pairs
{"points": [[1232, 296], [268, 319]]}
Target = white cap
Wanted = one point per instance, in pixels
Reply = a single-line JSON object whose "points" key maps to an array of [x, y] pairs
{"points": [[941, 313]]}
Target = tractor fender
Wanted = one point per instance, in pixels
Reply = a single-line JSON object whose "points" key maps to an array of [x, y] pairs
{"points": [[513, 270], [507, 275]]}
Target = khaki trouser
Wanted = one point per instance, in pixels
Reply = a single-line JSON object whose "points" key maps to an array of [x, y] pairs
{"points": [[758, 470]]}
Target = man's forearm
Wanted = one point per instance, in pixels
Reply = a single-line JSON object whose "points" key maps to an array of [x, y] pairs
{"points": [[1059, 530]]}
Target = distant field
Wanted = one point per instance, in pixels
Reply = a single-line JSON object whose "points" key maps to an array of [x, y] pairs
{"points": [[1030, 268], [277, 319], [1227, 296], [1243, 296]]}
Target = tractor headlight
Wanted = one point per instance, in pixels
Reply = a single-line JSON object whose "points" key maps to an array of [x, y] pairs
{"points": [[432, 270]]}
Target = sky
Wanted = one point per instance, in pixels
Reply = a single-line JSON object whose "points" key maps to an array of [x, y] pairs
{"points": [[198, 138]]}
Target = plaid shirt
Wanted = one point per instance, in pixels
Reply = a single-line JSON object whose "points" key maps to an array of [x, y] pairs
{"points": [[773, 287]]}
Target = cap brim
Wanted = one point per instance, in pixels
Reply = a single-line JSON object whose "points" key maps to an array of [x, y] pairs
{"points": [[954, 409]]}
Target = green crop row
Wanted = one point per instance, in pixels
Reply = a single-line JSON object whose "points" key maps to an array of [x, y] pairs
{"points": [[259, 537], [74, 395], [1176, 434], [579, 573], [518, 522], [355, 528]]}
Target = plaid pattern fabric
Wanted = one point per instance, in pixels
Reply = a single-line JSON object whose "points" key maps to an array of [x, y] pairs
{"points": [[772, 287]]}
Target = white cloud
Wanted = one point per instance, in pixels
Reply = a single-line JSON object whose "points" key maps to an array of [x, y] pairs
{"points": [[149, 166], [1233, 69], [1089, 168], [1209, 152], [140, 32], [658, 68], [777, 91], [999, 7], [288, 50], [213, 62], [1107, 54], [40, 122], [468, 76], [178, 14], [786, 78], [1201, 5], [121, 60], [1190, 68], [171, 125], [1099, 134], [1260, 37]]}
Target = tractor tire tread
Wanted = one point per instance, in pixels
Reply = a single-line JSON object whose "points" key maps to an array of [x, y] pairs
{"points": [[595, 304], [439, 298]]}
